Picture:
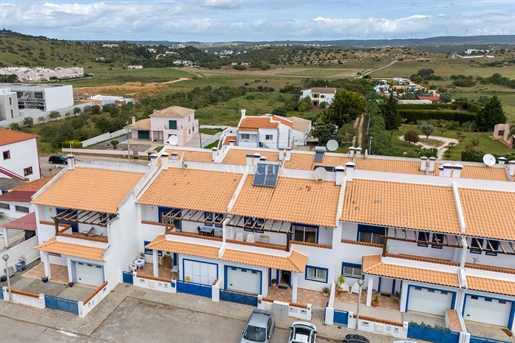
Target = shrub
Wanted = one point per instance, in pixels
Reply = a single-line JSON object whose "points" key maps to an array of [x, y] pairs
{"points": [[75, 144], [411, 136]]}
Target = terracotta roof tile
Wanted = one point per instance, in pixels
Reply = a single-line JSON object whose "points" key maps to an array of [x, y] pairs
{"points": [[370, 261], [491, 285], [292, 200], [306, 161], [237, 156], [403, 205], [193, 155], [182, 188], [300, 124], [484, 173], [33, 186], [489, 214], [413, 274], [227, 140], [296, 262], [11, 136], [255, 123], [323, 90], [70, 249], [141, 124], [284, 121], [173, 111], [90, 189], [161, 243], [17, 196]]}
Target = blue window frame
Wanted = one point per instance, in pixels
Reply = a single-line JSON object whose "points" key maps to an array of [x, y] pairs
{"points": [[211, 216], [491, 244], [476, 245], [161, 211], [249, 222], [371, 234], [423, 238], [150, 251], [437, 238], [352, 270], [316, 274], [304, 233]]}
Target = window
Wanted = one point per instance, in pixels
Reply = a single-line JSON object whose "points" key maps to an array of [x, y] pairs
{"points": [[351, 270], [371, 234], [150, 251], [245, 136], [305, 233], [423, 238], [437, 238], [322, 96], [492, 247], [315, 96], [21, 209], [189, 131], [172, 124], [11, 102], [6, 155], [316, 274], [4, 206], [269, 137], [193, 128], [27, 171], [476, 245]]}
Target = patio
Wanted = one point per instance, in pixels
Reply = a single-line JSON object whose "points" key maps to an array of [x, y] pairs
{"points": [[304, 296], [164, 271], [59, 273]]}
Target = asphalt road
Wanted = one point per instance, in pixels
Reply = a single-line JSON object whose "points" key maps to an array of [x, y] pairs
{"points": [[136, 320]]}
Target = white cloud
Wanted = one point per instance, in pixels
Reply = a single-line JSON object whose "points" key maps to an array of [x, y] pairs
{"points": [[223, 3]]}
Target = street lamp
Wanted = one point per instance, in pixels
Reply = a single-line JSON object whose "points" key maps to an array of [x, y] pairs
{"points": [[128, 142], [5, 257], [370, 136], [360, 284], [367, 113]]}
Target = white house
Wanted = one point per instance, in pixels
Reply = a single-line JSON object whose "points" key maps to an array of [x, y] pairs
{"points": [[8, 104], [19, 157], [319, 95], [41, 97]]}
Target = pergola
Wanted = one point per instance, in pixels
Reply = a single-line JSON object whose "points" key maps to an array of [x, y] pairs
{"points": [[84, 217]]}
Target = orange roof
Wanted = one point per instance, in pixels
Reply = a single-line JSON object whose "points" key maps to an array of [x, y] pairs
{"points": [[227, 140], [193, 155], [491, 285], [202, 190], [162, 244], [409, 273], [484, 173], [70, 249], [296, 262], [306, 161], [283, 121], [90, 189], [11, 136], [489, 214], [237, 156], [141, 124], [255, 123], [404, 205], [33, 186], [292, 200]]}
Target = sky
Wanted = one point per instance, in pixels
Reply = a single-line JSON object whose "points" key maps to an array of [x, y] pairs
{"points": [[257, 20]]}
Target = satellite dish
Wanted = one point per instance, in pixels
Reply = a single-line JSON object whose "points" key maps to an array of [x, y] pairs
{"points": [[489, 160], [320, 174], [332, 145], [173, 140]]}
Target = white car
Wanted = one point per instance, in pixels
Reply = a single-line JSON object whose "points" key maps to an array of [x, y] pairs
{"points": [[303, 332]]}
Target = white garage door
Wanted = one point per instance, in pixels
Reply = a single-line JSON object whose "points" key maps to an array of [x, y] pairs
{"points": [[487, 310], [429, 300], [243, 280], [200, 272], [90, 274]]}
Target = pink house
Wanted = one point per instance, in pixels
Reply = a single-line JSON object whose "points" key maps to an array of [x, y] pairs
{"points": [[502, 132], [162, 124]]}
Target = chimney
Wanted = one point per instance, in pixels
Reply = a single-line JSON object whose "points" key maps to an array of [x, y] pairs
{"points": [[358, 151], [248, 159], [243, 113], [133, 119], [351, 151], [214, 152], [423, 163], [256, 158], [457, 170], [71, 161], [287, 157], [349, 167], [502, 160], [231, 142], [447, 169], [262, 159], [153, 160], [175, 155], [440, 171], [164, 160], [432, 161], [339, 175], [319, 153], [281, 154], [512, 168]]}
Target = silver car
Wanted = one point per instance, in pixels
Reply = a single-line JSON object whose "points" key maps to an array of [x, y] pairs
{"points": [[259, 328], [303, 332]]}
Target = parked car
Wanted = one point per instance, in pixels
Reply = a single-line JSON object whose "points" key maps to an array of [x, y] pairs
{"points": [[259, 328], [58, 159], [303, 332], [352, 338]]}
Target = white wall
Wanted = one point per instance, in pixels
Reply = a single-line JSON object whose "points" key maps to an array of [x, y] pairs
{"points": [[24, 154], [58, 97], [12, 213]]}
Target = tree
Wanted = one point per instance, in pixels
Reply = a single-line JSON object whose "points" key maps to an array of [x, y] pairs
{"points": [[427, 129], [345, 108], [114, 143], [411, 136], [446, 98], [425, 73], [28, 122], [490, 115], [76, 110], [323, 133], [392, 119], [54, 115]]}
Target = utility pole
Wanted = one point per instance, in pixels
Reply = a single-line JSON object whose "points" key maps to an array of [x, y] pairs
{"points": [[200, 136], [128, 142]]}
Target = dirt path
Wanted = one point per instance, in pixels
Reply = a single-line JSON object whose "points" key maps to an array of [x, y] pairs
{"points": [[441, 150], [358, 125], [374, 70]]}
